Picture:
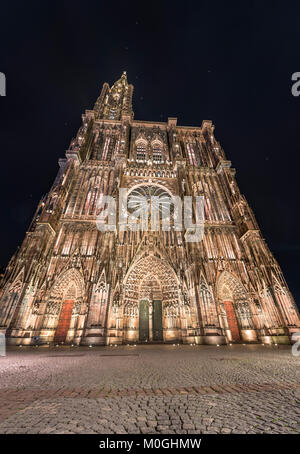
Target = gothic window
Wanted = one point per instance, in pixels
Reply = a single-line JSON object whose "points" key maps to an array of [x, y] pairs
{"points": [[157, 154], [67, 243], [91, 201], [84, 243], [229, 248], [105, 148], [111, 149], [98, 148], [101, 289], [117, 146], [99, 204], [92, 243], [191, 154], [141, 151]]}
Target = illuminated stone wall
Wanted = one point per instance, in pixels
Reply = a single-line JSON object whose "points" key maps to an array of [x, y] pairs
{"points": [[227, 287]]}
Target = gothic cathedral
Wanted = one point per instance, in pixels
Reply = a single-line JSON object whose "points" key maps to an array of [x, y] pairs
{"points": [[71, 283]]}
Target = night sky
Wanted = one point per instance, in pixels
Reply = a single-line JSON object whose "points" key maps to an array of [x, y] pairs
{"points": [[229, 62]]}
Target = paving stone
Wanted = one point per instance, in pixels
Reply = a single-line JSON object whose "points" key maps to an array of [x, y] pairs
{"points": [[163, 390]]}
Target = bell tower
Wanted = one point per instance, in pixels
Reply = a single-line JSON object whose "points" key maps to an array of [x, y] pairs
{"points": [[115, 103]]}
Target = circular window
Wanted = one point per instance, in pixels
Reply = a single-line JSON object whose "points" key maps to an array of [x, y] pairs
{"points": [[150, 197]]}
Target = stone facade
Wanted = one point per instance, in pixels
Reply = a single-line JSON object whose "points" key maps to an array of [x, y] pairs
{"points": [[71, 283]]}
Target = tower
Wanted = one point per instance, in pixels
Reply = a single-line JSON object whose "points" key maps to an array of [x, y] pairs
{"points": [[71, 282]]}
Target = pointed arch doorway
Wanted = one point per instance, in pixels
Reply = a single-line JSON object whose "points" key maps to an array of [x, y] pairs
{"points": [[65, 316], [151, 309], [235, 309], [62, 312]]}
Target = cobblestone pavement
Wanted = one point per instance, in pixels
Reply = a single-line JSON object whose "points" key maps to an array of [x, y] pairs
{"points": [[150, 389]]}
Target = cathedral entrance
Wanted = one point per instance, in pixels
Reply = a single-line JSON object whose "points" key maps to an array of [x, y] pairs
{"points": [[62, 313], [237, 319], [64, 321], [150, 321], [151, 310]]}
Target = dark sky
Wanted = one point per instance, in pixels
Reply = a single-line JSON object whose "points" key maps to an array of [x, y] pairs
{"points": [[230, 62]]}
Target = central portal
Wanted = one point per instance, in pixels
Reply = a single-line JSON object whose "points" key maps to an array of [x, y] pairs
{"points": [[151, 312], [150, 321]]}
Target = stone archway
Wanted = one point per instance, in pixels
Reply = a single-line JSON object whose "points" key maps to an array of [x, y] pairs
{"points": [[62, 314], [235, 309], [151, 302]]}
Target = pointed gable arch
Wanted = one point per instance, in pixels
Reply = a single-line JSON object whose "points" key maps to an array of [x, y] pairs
{"points": [[65, 280], [140, 149], [228, 286]]}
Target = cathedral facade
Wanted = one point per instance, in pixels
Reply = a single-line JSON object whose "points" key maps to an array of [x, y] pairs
{"points": [[72, 283]]}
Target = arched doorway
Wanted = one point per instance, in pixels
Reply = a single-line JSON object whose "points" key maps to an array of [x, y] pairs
{"points": [[151, 302], [62, 315], [235, 309]]}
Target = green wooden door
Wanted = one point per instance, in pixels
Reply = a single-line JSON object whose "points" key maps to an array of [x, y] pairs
{"points": [[157, 321], [144, 321]]}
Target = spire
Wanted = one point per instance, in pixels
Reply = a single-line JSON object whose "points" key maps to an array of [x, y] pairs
{"points": [[115, 103]]}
